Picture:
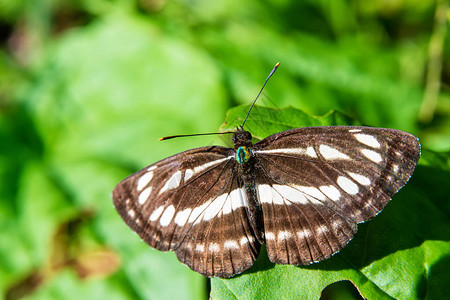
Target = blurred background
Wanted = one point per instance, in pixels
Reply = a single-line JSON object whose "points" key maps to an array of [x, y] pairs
{"points": [[88, 87]]}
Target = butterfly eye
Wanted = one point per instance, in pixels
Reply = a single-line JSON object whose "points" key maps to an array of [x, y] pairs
{"points": [[242, 138]]}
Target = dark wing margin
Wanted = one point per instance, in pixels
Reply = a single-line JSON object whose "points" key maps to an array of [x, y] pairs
{"points": [[316, 184], [191, 203]]}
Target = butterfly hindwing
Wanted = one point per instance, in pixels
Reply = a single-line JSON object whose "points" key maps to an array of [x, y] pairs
{"points": [[221, 244], [299, 229], [315, 184], [189, 203]]}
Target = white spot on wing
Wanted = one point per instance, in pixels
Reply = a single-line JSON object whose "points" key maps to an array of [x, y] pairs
{"points": [[268, 195], [368, 203], [196, 212], [243, 240], [331, 153], [321, 229], [337, 223], [293, 195], [167, 215], [359, 178], [311, 152], [144, 180], [203, 167], [297, 151], [395, 168], [172, 183], [213, 247], [231, 245], [312, 191], [269, 236], [182, 217], [331, 192], [290, 151], [199, 248], [188, 174], [151, 168], [347, 185], [214, 207], [372, 155], [354, 130], [143, 196], [131, 213], [282, 235], [238, 199], [235, 199], [304, 233], [156, 213], [368, 140], [284, 194], [225, 203], [226, 209]]}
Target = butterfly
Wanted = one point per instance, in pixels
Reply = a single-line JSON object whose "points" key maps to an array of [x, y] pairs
{"points": [[301, 192]]}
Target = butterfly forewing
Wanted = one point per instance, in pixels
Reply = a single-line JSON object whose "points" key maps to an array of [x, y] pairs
{"points": [[315, 184], [191, 203]]}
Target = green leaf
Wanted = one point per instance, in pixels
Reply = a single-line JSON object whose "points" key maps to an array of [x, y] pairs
{"points": [[391, 255], [265, 121]]}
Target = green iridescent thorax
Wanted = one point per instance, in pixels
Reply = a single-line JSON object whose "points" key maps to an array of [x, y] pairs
{"points": [[243, 155]]}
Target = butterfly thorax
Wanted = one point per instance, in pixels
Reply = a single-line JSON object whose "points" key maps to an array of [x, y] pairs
{"points": [[243, 155]]}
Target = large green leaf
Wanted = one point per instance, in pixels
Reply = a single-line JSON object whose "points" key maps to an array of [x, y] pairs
{"points": [[402, 253], [265, 121]]}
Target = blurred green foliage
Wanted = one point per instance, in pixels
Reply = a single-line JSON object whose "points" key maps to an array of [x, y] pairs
{"points": [[87, 88]]}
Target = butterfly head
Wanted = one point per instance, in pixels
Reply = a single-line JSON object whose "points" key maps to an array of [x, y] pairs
{"points": [[242, 138]]}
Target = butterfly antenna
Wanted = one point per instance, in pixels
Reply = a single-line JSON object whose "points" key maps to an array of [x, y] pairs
{"points": [[241, 127], [196, 134], [260, 91]]}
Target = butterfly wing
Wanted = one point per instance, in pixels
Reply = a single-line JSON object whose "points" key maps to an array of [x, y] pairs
{"points": [[315, 184], [188, 203]]}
